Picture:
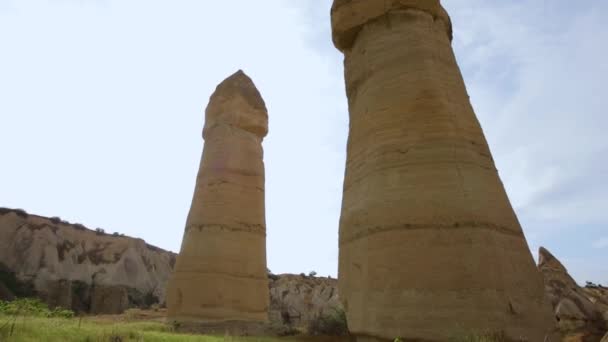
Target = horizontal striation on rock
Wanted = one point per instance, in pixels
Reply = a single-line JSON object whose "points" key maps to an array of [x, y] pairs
{"points": [[429, 242], [74, 267], [220, 274]]}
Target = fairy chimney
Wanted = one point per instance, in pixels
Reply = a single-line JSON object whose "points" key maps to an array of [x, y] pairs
{"points": [[430, 246], [220, 274]]}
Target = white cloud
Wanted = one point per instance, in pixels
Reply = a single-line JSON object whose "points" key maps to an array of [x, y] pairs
{"points": [[535, 74], [101, 109], [601, 243]]}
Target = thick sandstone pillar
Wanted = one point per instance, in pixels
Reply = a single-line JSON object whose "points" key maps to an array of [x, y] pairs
{"points": [[220, 274], [430, 246]]}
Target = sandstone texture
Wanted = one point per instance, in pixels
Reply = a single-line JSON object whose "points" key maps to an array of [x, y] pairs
{"points": [[580, 311], [220, 274], [296, 300], [73, 267], [429, 243]]}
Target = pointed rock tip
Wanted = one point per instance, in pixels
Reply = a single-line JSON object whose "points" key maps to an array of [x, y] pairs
{"points": [[546, 259], [544, 256], [237, 102], [240, 84]]}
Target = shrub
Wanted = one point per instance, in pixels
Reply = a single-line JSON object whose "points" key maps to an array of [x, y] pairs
{"points": [[484, 337], [332, 324], [100, 231], [21, 213], [312, 274], [590, 285], [32, 307], [79, 226], [55, 220]]}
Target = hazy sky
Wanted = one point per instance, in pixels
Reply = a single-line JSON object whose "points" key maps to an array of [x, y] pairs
{"points": [[101, 113]]}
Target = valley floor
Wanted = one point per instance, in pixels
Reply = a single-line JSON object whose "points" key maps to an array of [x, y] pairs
{"points": [[110, 329]]}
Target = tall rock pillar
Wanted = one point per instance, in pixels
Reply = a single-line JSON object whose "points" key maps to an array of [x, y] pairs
{"points": [[430, 246], [220, 274]]}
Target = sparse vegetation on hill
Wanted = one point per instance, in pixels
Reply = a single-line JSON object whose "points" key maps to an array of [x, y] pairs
{"points": [[55, 219], [32, 308], [18, 212]]}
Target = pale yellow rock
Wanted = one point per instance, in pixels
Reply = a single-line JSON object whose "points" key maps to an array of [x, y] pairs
{"points": [[577, 309], [429, 244], [220, 274], [67, 264]]}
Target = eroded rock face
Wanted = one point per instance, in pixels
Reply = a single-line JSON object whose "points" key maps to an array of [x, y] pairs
{"points": [[578, 310], [67, 265], [220, 273], [429, 243], [296, 300]]}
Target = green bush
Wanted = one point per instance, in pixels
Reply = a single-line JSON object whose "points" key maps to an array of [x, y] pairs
{"points": [[333, 324], [34, 308]]}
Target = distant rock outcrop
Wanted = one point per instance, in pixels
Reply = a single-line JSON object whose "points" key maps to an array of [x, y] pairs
{"points": [[576, 309], [71, 266], [89, 271], [296, 300]]}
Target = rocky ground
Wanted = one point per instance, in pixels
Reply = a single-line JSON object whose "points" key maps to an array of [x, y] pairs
{"points": [[580, 312]]}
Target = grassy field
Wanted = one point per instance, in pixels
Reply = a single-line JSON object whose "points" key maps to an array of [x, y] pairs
{"points": [[31, 320], [34, 329]]}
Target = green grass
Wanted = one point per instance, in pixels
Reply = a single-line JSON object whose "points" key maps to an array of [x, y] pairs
{"points": [[36, 329]]}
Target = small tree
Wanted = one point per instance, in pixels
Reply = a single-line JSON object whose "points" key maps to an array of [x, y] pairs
{"points": [[312, 274], [590, 285]]}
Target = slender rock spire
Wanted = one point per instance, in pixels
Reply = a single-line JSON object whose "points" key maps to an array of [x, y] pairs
{"points": [[430, 246], [220, 274]]}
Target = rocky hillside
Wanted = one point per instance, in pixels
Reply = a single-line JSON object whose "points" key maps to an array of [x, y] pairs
{"points": [[295, 300], [580, 311], [89, 271], [71, 266]]}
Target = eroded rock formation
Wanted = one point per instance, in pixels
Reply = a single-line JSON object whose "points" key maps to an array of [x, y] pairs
{"points": [[578, 310], [296, 300], [73, 267], [429, 243], [220, 274]]}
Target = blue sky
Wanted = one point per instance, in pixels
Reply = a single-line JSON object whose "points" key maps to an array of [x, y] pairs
{"points": [[101, 113]]}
